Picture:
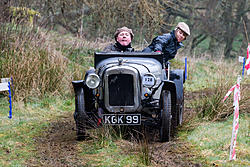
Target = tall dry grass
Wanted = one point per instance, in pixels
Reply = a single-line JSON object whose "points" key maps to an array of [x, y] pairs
{"points": [[43, 62], [211, 79], [36, 68], [212, 108]]}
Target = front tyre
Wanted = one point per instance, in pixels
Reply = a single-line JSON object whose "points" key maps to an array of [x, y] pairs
{"points": [[165, 129], [80, 115]]}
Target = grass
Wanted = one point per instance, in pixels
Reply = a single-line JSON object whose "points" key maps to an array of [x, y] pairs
{"points": [[31, 120], [81, 56], [213, 140], [207, 73], [17, 134], [109, 155], [108, 148], [36, 68]]}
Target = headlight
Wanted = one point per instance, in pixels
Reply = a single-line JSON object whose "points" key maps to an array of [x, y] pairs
{"points": [[92, 81], [148, 80]]}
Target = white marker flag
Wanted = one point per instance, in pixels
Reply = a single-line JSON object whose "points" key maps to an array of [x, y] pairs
{"points": [[4, 86], [241, 59]]}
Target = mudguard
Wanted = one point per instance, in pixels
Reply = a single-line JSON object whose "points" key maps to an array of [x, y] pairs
{"points": [[81, 89], [170, 86], [175, 86], [177, 76], [80, 115], [79, 92]]}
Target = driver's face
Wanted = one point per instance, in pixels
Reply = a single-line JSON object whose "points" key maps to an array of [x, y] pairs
{"points": [[180, 35], [124, 38]]}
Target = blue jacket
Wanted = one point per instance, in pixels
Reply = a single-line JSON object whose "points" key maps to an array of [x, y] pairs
{"points": [[166, 43]]}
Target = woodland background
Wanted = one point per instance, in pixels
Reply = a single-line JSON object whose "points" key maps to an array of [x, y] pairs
{"points": [[218, 27]]}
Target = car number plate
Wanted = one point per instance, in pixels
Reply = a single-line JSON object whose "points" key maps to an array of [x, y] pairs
{"points": [[122, 119]]}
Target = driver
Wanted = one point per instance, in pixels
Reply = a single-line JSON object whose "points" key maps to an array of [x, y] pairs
{"points": [[169, 43], [123, 38]]}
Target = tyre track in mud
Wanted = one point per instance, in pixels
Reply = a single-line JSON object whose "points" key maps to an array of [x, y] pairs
{"points": [[58, 146], [176, 153]]}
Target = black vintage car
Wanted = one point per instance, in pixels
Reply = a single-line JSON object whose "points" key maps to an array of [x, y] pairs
{"points": [[130, 89]]}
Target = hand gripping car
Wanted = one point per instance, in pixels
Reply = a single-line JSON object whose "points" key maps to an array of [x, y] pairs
{"points": [[130, 89]]}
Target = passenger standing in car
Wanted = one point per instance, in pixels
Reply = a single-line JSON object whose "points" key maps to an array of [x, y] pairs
{"points": [[169, 43], [123, 38]]}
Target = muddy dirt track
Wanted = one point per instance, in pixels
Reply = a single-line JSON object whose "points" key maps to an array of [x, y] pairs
{"points": [[58, 146]]}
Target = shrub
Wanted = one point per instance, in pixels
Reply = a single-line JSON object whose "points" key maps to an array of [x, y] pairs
{"points": [[36, 68], [211, 107]]}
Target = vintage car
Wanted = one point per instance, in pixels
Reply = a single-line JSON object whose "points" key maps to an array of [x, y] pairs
{"points": [[130, 88]]}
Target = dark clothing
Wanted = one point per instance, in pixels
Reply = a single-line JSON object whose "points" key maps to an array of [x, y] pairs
{"points": [[117, 47], [166, 43]]}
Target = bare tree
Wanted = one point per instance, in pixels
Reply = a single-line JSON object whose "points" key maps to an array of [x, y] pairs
{"points": [[220, 22], [232, 19]]}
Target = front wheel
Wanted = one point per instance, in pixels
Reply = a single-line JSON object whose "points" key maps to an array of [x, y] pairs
{"points": [[80, 115], [165, 129]]}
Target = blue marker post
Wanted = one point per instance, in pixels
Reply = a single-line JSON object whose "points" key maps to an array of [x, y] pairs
{"points": [[243, 68], [5, 85], [185, 68], [10, 112]]}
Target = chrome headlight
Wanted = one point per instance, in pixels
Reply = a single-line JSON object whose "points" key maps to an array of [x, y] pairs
{"points": [[148, 80], [92, 81]]}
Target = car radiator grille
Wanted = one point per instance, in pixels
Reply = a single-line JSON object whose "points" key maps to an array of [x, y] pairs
{"points": [[121, 90]]}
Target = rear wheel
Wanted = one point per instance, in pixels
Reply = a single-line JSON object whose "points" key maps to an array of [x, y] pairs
{"points": [[165, 129]]}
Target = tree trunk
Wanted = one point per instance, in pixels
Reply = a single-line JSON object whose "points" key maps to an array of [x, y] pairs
{"points": [[234, 24]]}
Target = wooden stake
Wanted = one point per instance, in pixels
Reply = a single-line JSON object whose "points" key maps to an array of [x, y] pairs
{"points": [[245, 30]]}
